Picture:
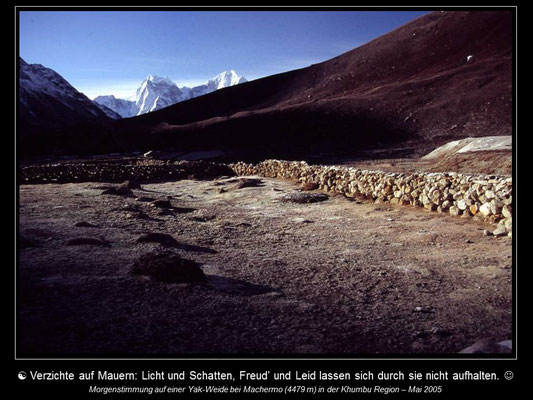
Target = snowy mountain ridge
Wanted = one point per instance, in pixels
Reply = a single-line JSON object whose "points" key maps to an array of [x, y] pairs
{"points": [[46, 98], [225, 79], [124, 108], [156, 92]]}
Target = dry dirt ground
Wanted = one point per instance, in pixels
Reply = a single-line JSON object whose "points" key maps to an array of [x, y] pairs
{"points": [[337, 277]]}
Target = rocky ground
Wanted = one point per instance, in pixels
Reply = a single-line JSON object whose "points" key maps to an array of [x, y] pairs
{"points": [[328, 277]]}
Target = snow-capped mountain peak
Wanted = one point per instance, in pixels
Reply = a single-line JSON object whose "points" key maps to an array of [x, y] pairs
{"points": [[158, 80], [156, 92], [124, 108], [226, 79]]}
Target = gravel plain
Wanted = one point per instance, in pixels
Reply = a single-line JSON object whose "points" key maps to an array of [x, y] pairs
{"points": [[332, 278]]}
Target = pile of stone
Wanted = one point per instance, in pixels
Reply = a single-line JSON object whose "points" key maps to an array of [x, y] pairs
{"points": [[94, 171], [488, 197]]}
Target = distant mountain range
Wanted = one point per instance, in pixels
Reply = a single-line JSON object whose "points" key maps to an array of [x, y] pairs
{"points": [[155, 93], [54, 117]]}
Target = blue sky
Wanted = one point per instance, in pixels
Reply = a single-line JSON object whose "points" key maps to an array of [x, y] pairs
{"points": [[111, 52]]}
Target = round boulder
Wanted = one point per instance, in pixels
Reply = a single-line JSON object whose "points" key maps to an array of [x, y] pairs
{"points": [[168, 267], [303, 198]]}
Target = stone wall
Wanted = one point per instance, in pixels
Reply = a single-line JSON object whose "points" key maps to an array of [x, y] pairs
{"points": [[119, 171], [484, 196]]}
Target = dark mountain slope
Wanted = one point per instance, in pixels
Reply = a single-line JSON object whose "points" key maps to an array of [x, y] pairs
{"points": [[414, 88], [46, 99], [54, 117]]}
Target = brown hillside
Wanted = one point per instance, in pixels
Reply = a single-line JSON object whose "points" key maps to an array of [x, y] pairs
{"points": [[412, 88]]}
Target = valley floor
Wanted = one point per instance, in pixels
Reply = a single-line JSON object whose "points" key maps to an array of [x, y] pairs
{"points": [[337, 277]]}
